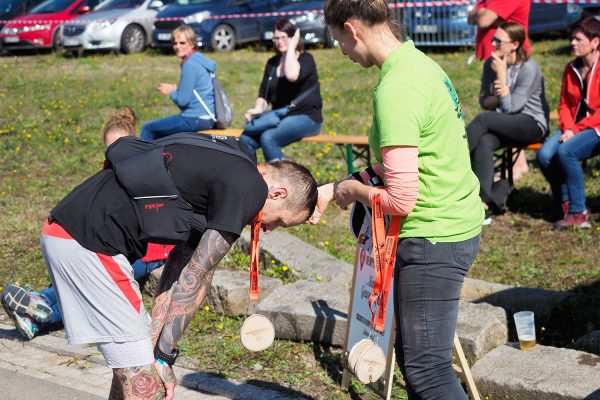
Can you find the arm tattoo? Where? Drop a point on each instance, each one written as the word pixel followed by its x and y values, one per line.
pixel 178 258
pixel 193 285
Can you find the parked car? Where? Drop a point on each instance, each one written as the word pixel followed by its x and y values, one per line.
pixel 311 24
pixel 40 28
pixel 221 34
pixel 10 9
pixel 121 25
pixel 447 25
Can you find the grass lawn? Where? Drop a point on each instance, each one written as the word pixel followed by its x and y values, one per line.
pixel 52 109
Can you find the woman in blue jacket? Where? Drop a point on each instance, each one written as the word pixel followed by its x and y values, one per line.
pixel 194 95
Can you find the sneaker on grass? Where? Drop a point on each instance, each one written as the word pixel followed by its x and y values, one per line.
pixel 24 302
pixel 578 220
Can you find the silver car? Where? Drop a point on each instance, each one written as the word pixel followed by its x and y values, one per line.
pixel 121 25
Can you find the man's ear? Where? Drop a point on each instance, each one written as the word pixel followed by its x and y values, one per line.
pixel 277 193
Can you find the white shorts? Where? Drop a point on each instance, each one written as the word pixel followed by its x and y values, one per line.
pixel 99 299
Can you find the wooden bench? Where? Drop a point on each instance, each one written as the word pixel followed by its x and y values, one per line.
pixel 507 156
pixel 354 147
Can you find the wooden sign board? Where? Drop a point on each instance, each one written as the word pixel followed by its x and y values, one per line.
pixel 358 325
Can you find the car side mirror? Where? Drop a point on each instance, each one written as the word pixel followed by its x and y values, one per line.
pixel 83 9
pixel 155 4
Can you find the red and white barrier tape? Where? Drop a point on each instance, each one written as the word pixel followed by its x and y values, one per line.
pixel 415 4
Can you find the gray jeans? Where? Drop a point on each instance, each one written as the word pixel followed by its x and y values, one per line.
pixel 427 282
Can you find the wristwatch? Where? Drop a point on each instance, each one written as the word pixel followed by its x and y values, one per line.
pixel 169 359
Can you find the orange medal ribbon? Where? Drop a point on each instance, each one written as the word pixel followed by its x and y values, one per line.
pixel 384 257
pixel 254 249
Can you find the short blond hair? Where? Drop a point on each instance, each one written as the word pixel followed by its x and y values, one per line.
pixel 188 33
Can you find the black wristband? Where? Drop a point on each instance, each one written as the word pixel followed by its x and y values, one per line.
pixel 167 358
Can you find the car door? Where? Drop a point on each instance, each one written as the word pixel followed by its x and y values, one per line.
pixel 249 29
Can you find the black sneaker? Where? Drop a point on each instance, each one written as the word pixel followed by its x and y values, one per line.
pixel 26 303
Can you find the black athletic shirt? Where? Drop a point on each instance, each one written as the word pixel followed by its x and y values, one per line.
pixel 280 92
pixel 226 189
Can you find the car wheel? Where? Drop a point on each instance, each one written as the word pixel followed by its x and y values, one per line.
pixel 56 41
pixel 223 38
pixel 133 39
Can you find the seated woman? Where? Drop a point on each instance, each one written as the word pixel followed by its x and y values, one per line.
pixel 291 85
pixel 196 113
pixel 512 90
pixel 579 126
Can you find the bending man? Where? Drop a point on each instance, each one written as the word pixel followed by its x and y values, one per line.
pixel 199 198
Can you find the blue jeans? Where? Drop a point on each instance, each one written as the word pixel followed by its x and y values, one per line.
pixel 290 129
pixel 140 270
pixel 427 281
pixel 173 124
pixel 560 163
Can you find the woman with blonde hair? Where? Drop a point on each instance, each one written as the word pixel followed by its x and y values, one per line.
pixel 194 95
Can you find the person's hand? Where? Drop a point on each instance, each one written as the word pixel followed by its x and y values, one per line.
pixel 166 88
pixel 251 113
pixel 345 193
pixel 500 88
pixel 294 40
pixel 325 197
pixel 167 376
pixel 568 134
pixel 499 66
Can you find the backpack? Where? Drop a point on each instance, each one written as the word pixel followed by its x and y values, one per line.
pixel 223 111
pixel 141 169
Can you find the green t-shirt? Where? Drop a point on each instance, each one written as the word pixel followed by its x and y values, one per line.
pixel 415 104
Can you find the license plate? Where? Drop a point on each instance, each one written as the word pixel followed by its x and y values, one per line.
pixel 268 35
pixel 164 36
pixel 426 29
pixel 11 39
pixel 71 42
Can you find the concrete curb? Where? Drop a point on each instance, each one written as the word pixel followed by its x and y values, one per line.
pixel 198 385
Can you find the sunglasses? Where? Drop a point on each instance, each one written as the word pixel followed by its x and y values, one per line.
pixel 279 38
pixel 496 40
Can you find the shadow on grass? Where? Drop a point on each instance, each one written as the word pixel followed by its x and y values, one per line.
pixel 533 203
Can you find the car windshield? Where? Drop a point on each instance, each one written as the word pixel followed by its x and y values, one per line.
pixel 194 2
pixel 6 6
pixel 113 4
pixel 51 6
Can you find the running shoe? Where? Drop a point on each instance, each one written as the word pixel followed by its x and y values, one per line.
pixel 23 303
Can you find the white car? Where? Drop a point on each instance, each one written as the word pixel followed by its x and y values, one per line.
pixel 121 25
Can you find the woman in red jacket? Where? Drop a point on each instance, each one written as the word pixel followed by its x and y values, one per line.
pixel 578 136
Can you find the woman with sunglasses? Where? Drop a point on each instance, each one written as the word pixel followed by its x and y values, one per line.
pixel 290 84
pixel 579 126
pixel 512 92
pixel 197 109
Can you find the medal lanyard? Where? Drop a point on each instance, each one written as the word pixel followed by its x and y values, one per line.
pixel 384 256
pixel 254 249
pixel 254 256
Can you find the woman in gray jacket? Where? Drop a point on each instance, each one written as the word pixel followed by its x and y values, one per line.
pixel 512 92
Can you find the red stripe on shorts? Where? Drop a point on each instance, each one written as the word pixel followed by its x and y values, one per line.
pixel 54 229
pixel 121 280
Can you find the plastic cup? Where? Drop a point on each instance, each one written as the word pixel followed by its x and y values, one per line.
pixel 525 325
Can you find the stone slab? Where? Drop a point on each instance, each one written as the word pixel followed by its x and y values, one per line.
pixel 512 298
pixel 589 342
pixel 229 292
pixel 307 310
pixel 480 328
pixel 543 373
pixel 311 263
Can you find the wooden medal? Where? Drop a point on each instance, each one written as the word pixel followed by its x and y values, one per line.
pixel 257 333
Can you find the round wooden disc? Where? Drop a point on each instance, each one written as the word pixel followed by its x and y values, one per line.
pixel 257 333
pixel 357 350
pixel 371 364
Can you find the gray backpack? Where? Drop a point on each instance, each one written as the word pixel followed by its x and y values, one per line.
pixel 223 111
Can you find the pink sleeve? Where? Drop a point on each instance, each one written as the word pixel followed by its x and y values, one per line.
pixel 401 164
